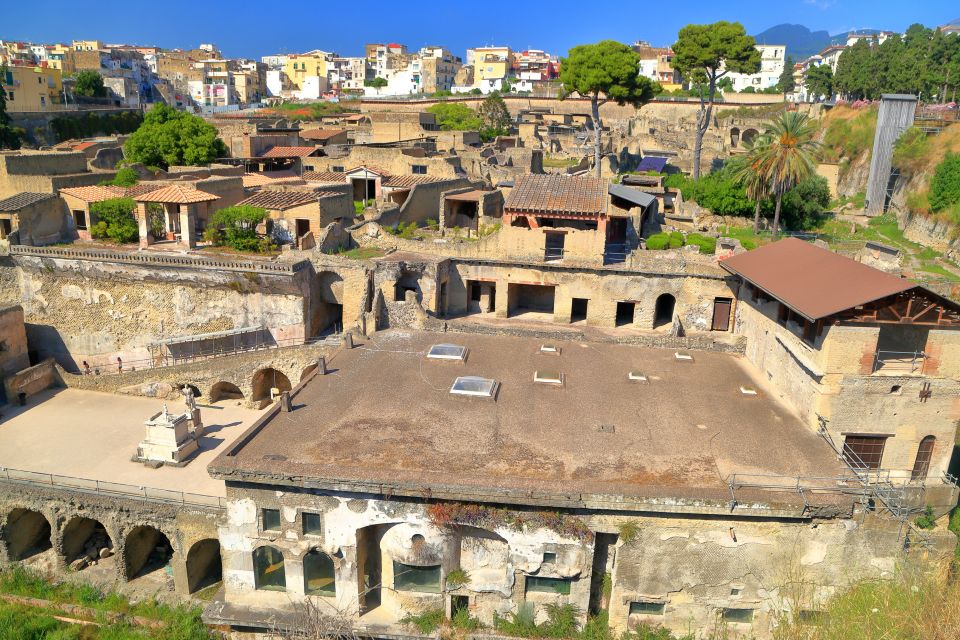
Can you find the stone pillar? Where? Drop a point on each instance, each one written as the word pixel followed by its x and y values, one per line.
pixel 321 366
pixel 348 340
pixel 181 583
pixel 188 225
pixel 144 225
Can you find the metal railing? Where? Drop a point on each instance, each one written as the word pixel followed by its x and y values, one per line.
pixel 615 254
pixel 103 487
pixel 553 253
pixel 899 362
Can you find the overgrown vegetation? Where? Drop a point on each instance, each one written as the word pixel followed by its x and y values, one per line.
pixel 426 622
pixel 910 150
pixel 675 240
pixel 457 578
pixel 927 519
pixel 945 188
pixel 360 205
pixel 454 116
pixel 362 253
pixel 170 137
pixel 27 623
pixel 236 227
pixel 10 137
pixel 849 133
pixel 126 177
pixel 309 110
pixel 115 220
pixel 452 514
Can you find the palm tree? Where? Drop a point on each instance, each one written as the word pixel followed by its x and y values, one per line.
pixel 788 157
pixel 750 174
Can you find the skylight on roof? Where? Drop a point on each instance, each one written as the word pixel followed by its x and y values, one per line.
pixel 636 376
pixel 550 349
pixel 474 386
pixel 447 352
pixel 548 377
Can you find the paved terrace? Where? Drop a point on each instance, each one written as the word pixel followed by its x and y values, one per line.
pixel 384 420
pixel 92 435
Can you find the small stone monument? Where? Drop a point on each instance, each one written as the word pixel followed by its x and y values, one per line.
pixel 170 439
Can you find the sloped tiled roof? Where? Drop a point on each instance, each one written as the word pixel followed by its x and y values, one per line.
pixel 24 199
pixel 289 152
pixel 176 194
pixel 320 134
pixel 99 193
pixel 377 170
pixel 553 193
pixel 280 200
pixel 271 177
pixel 400 182
pixel 328 177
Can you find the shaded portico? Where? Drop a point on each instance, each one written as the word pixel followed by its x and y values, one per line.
pixel 185 212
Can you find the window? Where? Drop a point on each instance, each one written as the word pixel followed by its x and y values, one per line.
pixel 271 519
pixel 737 615
pixel 864 452
pixel 338 169
pixel 80 219
pixel 268 569
pixel 312 524
pixel 538 584
pixel 647 608
pixel 319 577
pixel 407 577
pixel 549 557
pixel 419 169
pixel 921 465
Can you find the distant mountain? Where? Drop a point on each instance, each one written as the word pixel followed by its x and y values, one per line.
pixel 800 41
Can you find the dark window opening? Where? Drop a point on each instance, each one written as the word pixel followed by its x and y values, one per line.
pixel 80 219
pixel 318 574
pixel 407 577
pixel 268 570
pixel 458 604
pixel 303 227
pixel 553 246
pixel 663 310
pixel 737 615
pixel 312 524
pixel 419 169
pixel 864 452
pixel 578 309
pixel 721 314
pixel 921 466
pixel 271 519
pixel 539 584
pixel 647 608
pixel 549 557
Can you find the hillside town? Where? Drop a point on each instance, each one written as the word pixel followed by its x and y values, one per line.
pixel 630 341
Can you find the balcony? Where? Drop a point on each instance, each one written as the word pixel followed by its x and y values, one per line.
pixel 899 363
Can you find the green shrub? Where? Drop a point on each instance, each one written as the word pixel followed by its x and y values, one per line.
pixel 945 185
pixel 457 578
pixel 676 240
pixel 911 148
pixel 426 622
pixel 453 116
pixel 658 241
pixel 239 228
pixel 463 620
pixel 707 244
pixel 115 220
pixel 926 520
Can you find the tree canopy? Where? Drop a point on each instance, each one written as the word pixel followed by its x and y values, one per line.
pixel 609 68
pixel 495 115
pixel 89 84
pixel 922 62
pixel 9 136
pixel 945 184
pixel 819 81
pixel 170 137
pixel 115 220
pixel 787 84
pixel 703 54
pixel 237 227
pixel 453 116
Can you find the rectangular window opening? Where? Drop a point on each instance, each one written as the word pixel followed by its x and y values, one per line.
pixel 549 557
pixel 407 577
pixel 737 615
pixel 271 519
pixel 312 524
pixel 538 584
pixel 647 608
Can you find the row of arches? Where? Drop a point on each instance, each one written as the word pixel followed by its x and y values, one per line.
pixel 145 548
pixel 263 381
pixel 319 572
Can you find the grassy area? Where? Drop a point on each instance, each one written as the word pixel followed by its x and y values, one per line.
pixel 362 253
pixel 555 162
pixel 179 623
pixel 308 110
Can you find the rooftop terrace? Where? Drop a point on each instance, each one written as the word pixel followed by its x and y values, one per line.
pixel 384 419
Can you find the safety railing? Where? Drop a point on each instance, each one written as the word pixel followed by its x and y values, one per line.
pixel 899 362
pixel 103 487
pixel 553 253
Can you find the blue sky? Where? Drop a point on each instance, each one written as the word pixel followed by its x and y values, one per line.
pixel 253 29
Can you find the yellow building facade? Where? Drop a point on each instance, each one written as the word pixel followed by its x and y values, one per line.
pixel 302 66
pixel 32 88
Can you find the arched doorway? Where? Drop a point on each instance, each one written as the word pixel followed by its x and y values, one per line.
pixel 146 549
pixel 921 466
pixel 307 371
pixel 85 537
pixel 663 310
pixel 749 136
pixel 204 567
pixel 319 575
pixel 327 314
pixel 734 137
pixel 225 391
pixel 267 379
pixel 27 533
pixel 268 569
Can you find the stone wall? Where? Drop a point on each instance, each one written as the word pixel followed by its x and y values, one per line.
pixel 13 340
pixel 32 380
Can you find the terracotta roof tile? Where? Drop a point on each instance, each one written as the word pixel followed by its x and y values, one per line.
pixel 328 177
pixel 377 170
pixel 260 179
pixel 94 193
pixel 289 152
pixel 280 200
pixel 320 134
pixel 558 194
pixel 814 282
pixel 399 182
pixel 176 194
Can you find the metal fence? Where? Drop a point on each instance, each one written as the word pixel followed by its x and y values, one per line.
pixel 899 362
pixel 103 487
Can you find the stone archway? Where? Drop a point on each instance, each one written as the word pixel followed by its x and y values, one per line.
pixel 224 390
pixel 204 565
pixel 663 310
pixel 266 379
pixel 27 533
pixel 307 371
pixel 85 540
pixel 327 306
pixel 749 136
pixel 735 137
pixel 146 549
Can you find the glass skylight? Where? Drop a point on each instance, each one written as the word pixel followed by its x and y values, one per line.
pixel 447 352
pixel 474 386
pixel 548 377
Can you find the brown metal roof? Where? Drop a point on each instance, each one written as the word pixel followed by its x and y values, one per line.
pixel 320 134
pixel 400 182
pixel 280 200
pixel 327 177
pixel 289 152
pixel 814 282
pixel 558 194
pixel 473 195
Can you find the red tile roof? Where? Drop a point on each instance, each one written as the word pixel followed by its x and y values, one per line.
pixel 400 182
pixel 176 194
pixel 280 200
pixel 327 177
pixel 320 134
pixel 558 194
pixel 814 282
pixel 289 152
